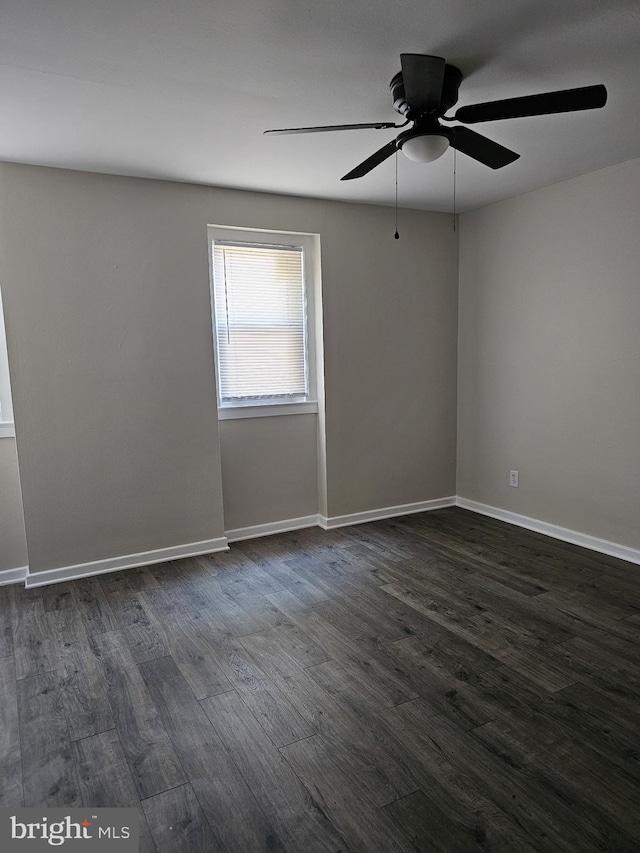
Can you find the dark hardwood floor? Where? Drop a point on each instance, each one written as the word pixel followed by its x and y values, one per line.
pixel 438 682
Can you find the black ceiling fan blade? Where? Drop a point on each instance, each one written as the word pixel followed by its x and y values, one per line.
pixel 378 125
pixel 564 101
pixel 480 148
pixel 422 77
pixel 371 162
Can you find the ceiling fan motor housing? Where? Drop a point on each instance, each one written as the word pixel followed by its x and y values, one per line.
pixel 450 86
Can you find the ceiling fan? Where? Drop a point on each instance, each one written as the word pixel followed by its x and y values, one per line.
pixel 423 92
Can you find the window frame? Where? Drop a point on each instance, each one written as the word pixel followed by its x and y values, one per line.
pixel 309 245
pixel 7 429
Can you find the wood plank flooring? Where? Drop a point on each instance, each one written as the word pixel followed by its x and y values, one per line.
pixel 438 682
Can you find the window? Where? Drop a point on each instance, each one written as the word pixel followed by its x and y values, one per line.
pixel 263 320
pixel 6 410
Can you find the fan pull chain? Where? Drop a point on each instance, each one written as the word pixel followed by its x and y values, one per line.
pixel 454 189
pixel 396 235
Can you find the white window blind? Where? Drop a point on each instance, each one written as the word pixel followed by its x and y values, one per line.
pixel 260 318
pixel 6 410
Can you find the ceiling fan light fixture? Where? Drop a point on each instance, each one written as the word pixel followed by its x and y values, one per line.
pixel 424 148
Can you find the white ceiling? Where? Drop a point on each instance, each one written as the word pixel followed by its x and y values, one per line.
pixel 182 89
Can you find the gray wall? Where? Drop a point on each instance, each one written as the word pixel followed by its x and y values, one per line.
pixel 105 284
pixel 13 546
pixel 390 318
pixel 390 327
pixel 269 469
pixel 550 354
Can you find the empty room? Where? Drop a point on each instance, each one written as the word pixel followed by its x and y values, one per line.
pixel 320 426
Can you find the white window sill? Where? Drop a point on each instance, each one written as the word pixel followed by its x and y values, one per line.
pixel 7 430
pixel 271 410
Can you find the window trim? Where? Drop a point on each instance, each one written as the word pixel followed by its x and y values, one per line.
pixel 7 429
pixel 230 413
pixel 310 247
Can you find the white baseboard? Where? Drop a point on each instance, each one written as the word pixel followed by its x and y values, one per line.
pixel 268 529
pixel 127 561
pixel 603 546
pixel 13 575
pixel 385 512
pixel 193 549
pixel 325 523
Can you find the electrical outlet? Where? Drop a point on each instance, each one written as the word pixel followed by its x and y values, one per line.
pixel 513 479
